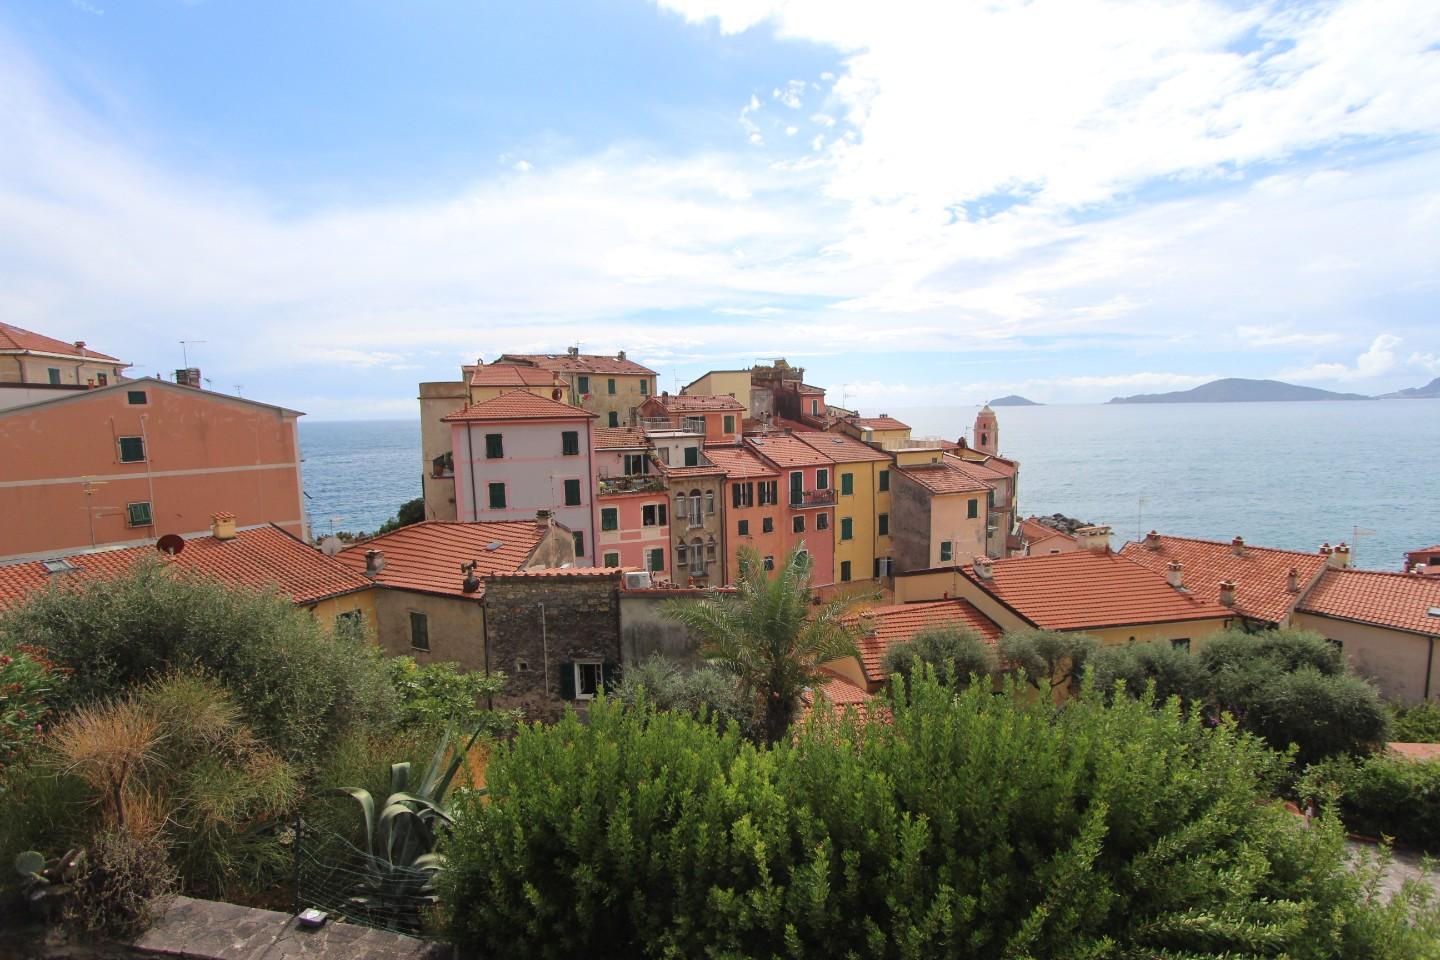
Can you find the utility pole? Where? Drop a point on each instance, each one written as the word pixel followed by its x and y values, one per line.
pixel 1356 533
pixel 185 352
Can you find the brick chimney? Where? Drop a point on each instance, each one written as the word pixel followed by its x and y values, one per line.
pixel 1227 593
pixel 374 563
pixel 1175 575
pixel 1237 546
pixel 983 569
pixel 1293 584
pixel 222 526
pixel 1152 539
pixel 543 519
pixel 1094 538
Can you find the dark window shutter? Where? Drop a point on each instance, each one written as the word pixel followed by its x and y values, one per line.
pixel 610 676
pixel 663 519
pixel 567 681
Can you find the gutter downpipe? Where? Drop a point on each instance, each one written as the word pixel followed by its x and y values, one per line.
pixel 470 456
pixel 1429 667
pixel 544 648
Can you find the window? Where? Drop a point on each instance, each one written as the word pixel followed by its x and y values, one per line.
pixel 798 524
pixel 767 525
pixel 132 450
pixel 972 510
pixel 884 480
pixel 769 493
pixel 844 571
pixel 743 528
pixel 709 503
pixel 644 387
pixel 710 550
pixel 494 446
pixel 692 456
pixel 680 505
pixel 1181 644
pixel 814 407
pixel 419 631
pixel 743 494
pixel 847 528
pixel 102 379
pixel 350 619
pixel 54 375
pixel 636 464
pixel 570 443
pixel 822 479
pixel 588 679
pixel 884 524
pixel 497 495
pixel 729 423
pixel 822 521
pixel 695 519
pixel 847 484
pixel 769 563
pixel 681 553
pixel 657 555
pixel 579 543
pixel 136 398
pixel 612 559
pixel 138 514
pixel 653 515
pixel 582 384
pixel 572 493
pixel 614 419
pixel 697 557
pixel 610 518
pixel 946 551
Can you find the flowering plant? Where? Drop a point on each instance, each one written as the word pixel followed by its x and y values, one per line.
pixel 26 681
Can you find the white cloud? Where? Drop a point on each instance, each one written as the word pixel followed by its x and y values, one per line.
pixel 1281 336
pixel 1378 360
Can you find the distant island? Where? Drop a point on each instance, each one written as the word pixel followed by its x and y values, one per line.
pixel 1431 391
pixel 1237 390
pixel 1014 400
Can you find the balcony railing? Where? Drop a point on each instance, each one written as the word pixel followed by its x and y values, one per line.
pixel 692 425
pixel 801 499
pixel 631 485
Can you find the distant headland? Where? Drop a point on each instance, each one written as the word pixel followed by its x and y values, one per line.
pixel 1431 391
pixel 1014 400
pixel 1238 390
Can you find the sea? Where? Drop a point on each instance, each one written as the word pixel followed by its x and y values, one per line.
pixel 1290 475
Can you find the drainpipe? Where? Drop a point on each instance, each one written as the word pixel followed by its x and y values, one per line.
pixel 724 550
pixel 1429 666
pixel 485 638
pixel 544 649
pixel 470 456
pixel 149 477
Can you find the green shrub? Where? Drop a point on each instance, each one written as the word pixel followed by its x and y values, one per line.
pixel 1050 659
pixel 123 884
pixel 954 653
pixel 440 695
pixel 1175 673
pixel 666 685
pixel 1382 795
pixel 28 681
pixel 1416 723
pixel 973 825
pixel 297 685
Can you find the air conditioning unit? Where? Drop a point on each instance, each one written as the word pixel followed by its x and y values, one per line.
pixel 638 580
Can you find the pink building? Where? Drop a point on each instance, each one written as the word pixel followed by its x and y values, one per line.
pixel 635 527
pixel 807 489
pixel 721 418
pixel 126 464
pixel 518 453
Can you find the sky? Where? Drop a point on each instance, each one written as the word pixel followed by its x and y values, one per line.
pixel 921 203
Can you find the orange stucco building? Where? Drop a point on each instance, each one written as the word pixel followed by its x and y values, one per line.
pixel 128 463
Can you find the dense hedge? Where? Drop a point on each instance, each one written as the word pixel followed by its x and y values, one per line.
pixel 1383 795
pixel 972 826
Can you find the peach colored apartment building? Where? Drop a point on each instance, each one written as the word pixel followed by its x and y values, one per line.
pixel 125 464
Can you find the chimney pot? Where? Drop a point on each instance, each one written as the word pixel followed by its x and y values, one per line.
pixel 79 344
pixel 1294 581
pixel 1227 593
pixel 374 563
pixel 1238 546
pixel 1152 539
pixel 543 518
pixel 620 355
pixel 222 526
pixel 1340 559
pixel 1175 575
pixel 983 570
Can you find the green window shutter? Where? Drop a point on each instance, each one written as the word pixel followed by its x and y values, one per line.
pixel 644 387
pixel 847 528
pixel 844 571
pixel 572 493
pixel 610 676
pixel 610 519
pixel 579 543
pixel 884 524
pixel 614 420
pixel 692 456
pixel 570 443
pixel 847 484
pixel 945 551
pixel 884 480
pixel 567 681
pixel 419 631
pixel 136 397
pixel 132 449
pixel 973 510
pixel 497 496
pixel 494 446
pixel 610 386
pixel 735 495
pixel 584 385
pixel 729 423
pixel 657 559
pixel 744 528
pixel 139 514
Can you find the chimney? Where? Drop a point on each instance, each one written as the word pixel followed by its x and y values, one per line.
pixel 573 351
pixel 620 355
pixel 983 569
pixel 1094 538
pixel 80 346
pixel 1340 559
pixel 222 526
pixel 1293 584
pixel 471 583
pixel 1227 593
pixel 1237 546
pixel 543 518
pixel 374 563
pixel 1152 539
pixel 1175 575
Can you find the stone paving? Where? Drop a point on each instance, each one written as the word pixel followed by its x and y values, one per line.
pixel 1403 866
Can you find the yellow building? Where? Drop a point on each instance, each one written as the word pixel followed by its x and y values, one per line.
pixel 863 542
pixel 940 510
pixel 722 383
pixel 613 388
pixel 28 358
pixel 884 429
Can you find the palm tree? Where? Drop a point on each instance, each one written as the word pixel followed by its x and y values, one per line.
pixel 769 636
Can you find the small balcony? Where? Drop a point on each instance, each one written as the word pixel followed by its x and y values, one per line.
pixel 637 484
pixel 694 426
pixel 803 499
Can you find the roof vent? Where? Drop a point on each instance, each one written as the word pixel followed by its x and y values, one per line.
pixel 1293 584
pixel 493 545
pixel 471 583
pixel 1227 593
pixel 374 563
pixel 58 565
pixel 1175 575
pixel 983 570
pixel 1152 539
pixel 1238 546
pixel 1433 612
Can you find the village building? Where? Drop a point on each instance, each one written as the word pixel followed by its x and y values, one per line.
pixel 719 418
pixel 429 581
pixel 807 486
pixel 124 464
pixel 863 541
pixel 519 453
pixel 881 430
pixel 634 503
pixel 612 388
pixel 754 515
pixel 35 367
pixel 1039 539
pixel 697 522
pixel 939 510
pixel 1426 561
pixel 722 383
pixel 885 627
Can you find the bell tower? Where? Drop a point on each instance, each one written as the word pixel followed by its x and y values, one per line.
pixel 987 432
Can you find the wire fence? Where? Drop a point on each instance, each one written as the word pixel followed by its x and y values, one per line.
pixel 347 882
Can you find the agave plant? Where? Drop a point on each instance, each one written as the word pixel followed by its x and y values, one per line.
pixel 401 864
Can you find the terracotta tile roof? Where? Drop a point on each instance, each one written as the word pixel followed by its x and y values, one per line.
pixel 984 470
pixel 518 405
pixel 1419 752
pixel 582 363
pixel 808 389
pixel 1090 589
pixel 1402 601
pixel 840 448
pixel 562 573
pixel 945 477
pixel 785 451
pixel 426 557
pixel 794 426
pixel 879 423
pixel 1262 575
pixel 258 558
pixel 700 404
pixel 899 624
pixel 619 438
pixel 1034 531
pixel 512 375
pixel 739 463
pixel 840 691
pixel 710 470
pixel 13 338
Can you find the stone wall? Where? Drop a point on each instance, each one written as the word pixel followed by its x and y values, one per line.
pixel 909 523
pixel 644 632
pixel 538 625
pixel 456 627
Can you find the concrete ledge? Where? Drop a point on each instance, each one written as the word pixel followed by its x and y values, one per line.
pixel 210 930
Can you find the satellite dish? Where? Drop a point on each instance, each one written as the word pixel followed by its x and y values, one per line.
pixel 557 393
pixel 331 546
pixel 170 544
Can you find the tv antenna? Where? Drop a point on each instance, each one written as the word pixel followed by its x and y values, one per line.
pixel 1356 533
pixel 238 388
pixel 185 352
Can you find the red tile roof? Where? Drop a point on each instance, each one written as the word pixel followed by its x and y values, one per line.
pixel 739 463
pixel 518 405
pixel 711 470
pixel 840 691
pixel 619 438
pixel 512 375
pixel 1262 575
pixel 1090 589
pixel 899 624
pixel 945 477
pixel 808 389
pixel 258 558
pixel 1402 601
pixel 426 557
pixel 785 451
pixel 581 363
pixel 1034 531
pixel 13 338
pixel 879 423
pixel 985 470
pixel 840 448
pixel 562 573
pixel 1418 752
pixel 700 404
